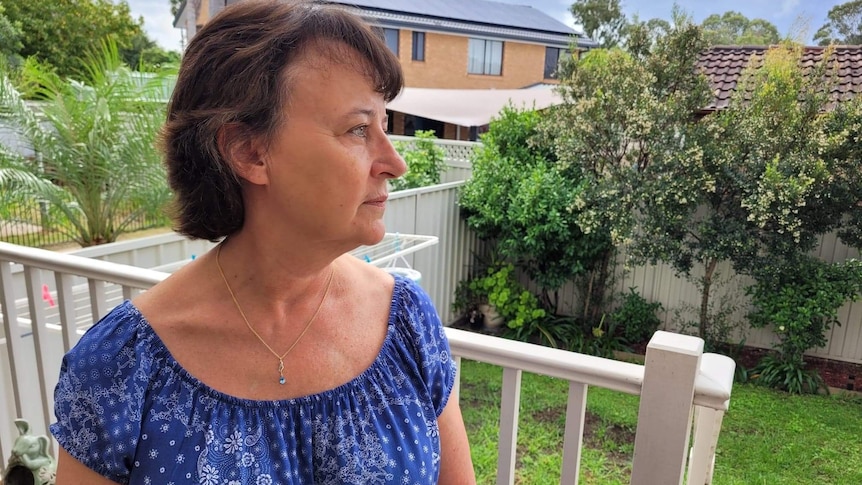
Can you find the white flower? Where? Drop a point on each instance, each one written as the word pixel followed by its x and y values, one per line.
pixel 264 480
pixel 209 476
pixel 233 443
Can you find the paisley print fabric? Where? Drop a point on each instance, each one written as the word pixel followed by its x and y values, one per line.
pixel 126 409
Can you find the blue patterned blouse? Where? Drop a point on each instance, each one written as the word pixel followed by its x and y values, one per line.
pixel 126 409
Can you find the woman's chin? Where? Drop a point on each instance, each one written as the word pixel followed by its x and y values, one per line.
pixel 373 235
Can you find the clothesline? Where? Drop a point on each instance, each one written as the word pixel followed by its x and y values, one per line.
pixel 392 249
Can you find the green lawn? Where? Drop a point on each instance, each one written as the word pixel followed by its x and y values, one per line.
pixel 767 437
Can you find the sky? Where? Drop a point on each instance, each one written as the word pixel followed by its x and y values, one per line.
pixel 798 18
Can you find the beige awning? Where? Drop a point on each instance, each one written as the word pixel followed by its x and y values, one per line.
pixel 470 107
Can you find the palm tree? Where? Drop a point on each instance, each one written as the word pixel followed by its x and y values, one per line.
pixel 96 168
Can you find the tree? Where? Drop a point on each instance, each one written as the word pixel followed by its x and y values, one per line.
pixel 144 52
pixel 844 25
pixel 761 186
pixel 96 167
pixel 602 20
pixel 733 28
pixel 59 31
pixel 10 40
pixel 641 36
pixel 623 123
pixel 175 7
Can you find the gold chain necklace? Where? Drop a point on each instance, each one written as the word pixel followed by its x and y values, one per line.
pixel 281 357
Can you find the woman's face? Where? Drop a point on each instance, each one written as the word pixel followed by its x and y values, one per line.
pixel 329 163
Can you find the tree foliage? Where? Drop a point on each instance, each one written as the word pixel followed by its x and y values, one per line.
pixel 10 40
pixel 95 166
pixel 602 20
pixel 733 28
pixel 519 198
pixel 175 7
pixel 799 299
pixel 764 189
pixel 58 32
pixel 425 162
pixel 623 126
pixel 843 25
pixel 605 22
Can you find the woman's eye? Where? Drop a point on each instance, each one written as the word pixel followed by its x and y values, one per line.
pixel 360 131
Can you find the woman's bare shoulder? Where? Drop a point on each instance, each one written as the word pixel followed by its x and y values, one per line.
pixel 364 277
pixel 187 291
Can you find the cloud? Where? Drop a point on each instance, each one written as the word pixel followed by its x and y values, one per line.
pixel 158 22
pixel 788 7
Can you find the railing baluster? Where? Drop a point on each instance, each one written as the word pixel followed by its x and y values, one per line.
pixel 38 319
pixel 33 280
pixel 719 370
pixel 456 389
pixel 14 346
pixel 510 403
pixel 576 410
pixel 707 425
pixel 68 314
pixel 98 300
pixel 13 352
pixel 129 292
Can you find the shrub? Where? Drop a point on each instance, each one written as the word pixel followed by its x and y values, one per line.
pixel 520 199
pixel 513 302
pixel 636 317
pixel 800 300
pixel 425 162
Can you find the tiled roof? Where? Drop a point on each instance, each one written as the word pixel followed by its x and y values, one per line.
pixel 474 11
pixel 723 66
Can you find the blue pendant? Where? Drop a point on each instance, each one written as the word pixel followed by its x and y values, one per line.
pixel 281 371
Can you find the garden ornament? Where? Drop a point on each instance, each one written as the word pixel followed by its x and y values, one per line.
pixel 30 463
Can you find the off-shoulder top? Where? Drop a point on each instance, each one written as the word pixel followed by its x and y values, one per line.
pixel 127 410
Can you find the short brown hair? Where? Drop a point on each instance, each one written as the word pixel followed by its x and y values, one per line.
pixel 235 71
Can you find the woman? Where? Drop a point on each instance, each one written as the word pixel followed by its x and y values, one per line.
pixel 276 358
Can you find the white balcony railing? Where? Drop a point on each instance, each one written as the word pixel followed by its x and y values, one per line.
pixel 678 384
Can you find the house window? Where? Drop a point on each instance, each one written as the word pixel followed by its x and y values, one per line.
pixel 391 38
pixel 418 46
pixel 553 58
pixel 485 57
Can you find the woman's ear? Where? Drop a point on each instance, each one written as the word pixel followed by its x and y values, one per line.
pixel 244 153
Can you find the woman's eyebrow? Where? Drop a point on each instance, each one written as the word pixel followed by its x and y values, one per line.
pixel 362 111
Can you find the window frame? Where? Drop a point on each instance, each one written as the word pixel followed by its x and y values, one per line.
pixel 386 32
pixel 490 49
pixel 418 53
pixel 560 53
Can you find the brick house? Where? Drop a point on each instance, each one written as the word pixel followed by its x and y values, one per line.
pixel 450 45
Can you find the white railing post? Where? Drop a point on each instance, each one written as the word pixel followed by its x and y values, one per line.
pixel 664 417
